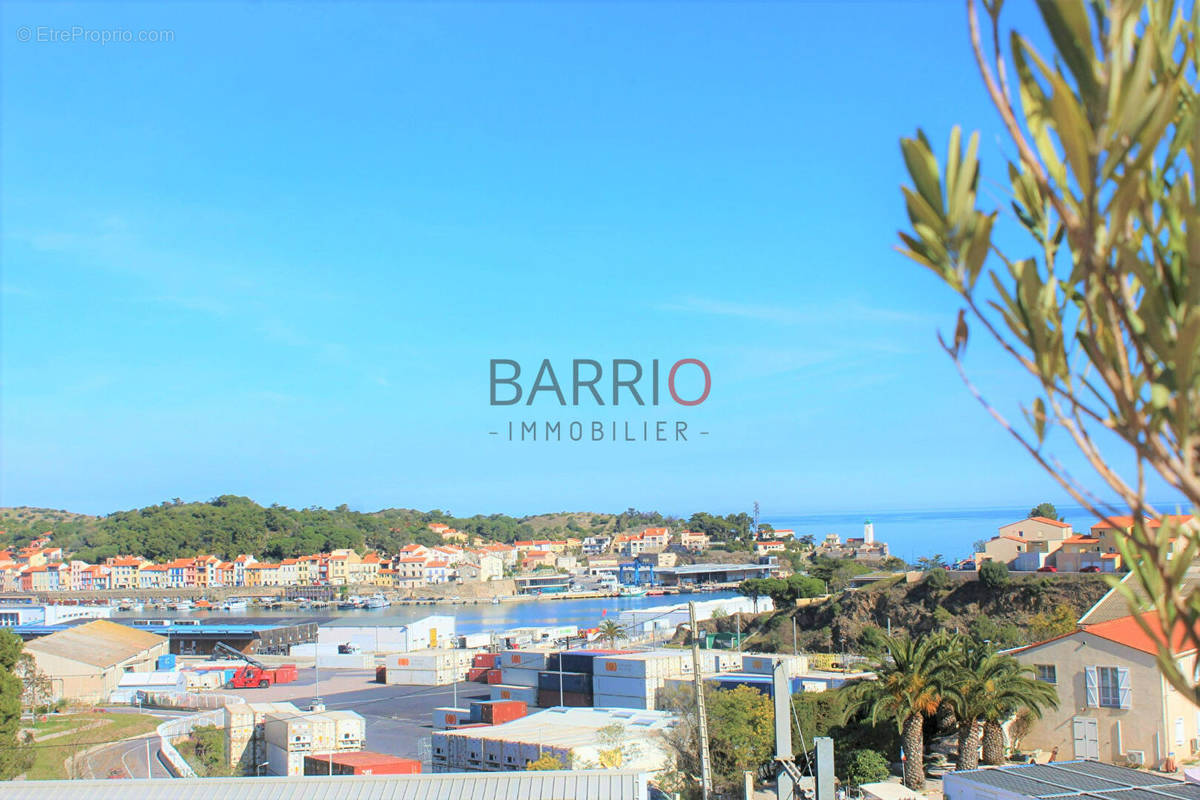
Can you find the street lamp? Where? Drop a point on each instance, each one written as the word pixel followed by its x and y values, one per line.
pixel 258 768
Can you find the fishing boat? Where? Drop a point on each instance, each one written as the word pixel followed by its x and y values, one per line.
pixel 181 605
pixel 378 601
pixel 353 601
pixel 633 591
pixel 495 601
pixel 234 604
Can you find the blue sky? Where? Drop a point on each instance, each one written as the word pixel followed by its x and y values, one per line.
pixel 273 256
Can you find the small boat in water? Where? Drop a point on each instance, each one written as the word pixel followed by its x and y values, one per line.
pixel 633 591
pixel 181 605
pixel 378 601
pixel 234 604
pixel 353 601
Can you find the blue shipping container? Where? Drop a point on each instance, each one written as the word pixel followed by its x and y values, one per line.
pixel 578 682
pixel 165 662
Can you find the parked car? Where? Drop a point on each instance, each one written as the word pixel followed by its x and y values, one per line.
pixel 1090 568
pixel 1047 568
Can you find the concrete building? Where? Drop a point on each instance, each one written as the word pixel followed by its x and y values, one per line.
pixel 13 614
pixel 1098 671
pixel 85 663
pixel 572 735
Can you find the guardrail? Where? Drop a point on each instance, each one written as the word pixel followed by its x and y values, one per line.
pixel 174 728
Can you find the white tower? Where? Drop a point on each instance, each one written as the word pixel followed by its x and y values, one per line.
pixel 869 533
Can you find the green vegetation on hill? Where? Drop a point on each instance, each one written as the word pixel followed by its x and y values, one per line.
pixel 229 525
pixel 1024 608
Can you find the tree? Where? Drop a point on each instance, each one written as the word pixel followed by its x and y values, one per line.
pixel 977 673
pixel 35 684
pixel 545 762
pixel 15 755
pixel 740 725
pixel 1046 510
pixel 1044 626
pixel 867 766
pixel 611 632
pixel 1100 304
pixel 926 563
pixel 907 688
pixel 993 574
pixel 980 546
pixel 936 579
pixel 1012 690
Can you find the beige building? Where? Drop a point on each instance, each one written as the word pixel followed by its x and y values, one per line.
pixel 1027 544
pixel 1114 704
pixel 85 662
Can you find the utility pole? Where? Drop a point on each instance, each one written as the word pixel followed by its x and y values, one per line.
pixel 698 682
pixel 789 775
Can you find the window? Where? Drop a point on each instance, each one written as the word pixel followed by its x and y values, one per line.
pixel 1047 673
pixel 1108 681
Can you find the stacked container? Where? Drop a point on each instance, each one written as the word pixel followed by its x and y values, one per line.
pixel 526 694
pixel 449 717
pixel 635 680
pixel 350 730
pixel 428 667
pixel 764 664
pixel 521 667
pixel 496 712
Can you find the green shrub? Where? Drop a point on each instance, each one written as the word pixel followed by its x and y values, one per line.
pixel 993 574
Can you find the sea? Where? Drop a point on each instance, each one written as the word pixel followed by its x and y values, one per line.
pixel 469 617
pixel 914 534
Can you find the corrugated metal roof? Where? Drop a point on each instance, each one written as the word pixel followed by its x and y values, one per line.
pixel 559 785
pixel 100 643
pixel 1080 779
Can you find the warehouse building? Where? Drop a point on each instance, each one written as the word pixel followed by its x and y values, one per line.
pixel 631 740
pixel 1065 780
pixel 554 785
pixel 430 632
pixel 85 663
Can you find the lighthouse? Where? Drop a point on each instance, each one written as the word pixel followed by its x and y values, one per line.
pixel 868 532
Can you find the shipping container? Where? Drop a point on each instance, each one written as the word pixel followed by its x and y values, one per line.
pixel 519 676
pixel 350 729
pixel 477 674
pixel 764 663
pixel 567 681
pixel 621 701
pixel 165 661
pixel 526 694
pixel 381 674
pixel 640 665
pixel 361 763
pixel 583 660
pixel 283 762
pixel 549 698
pixel 305 733
pixel 527 659
pixel 494 676
pixel 446 716
pixel 496 712
pixel 473 640
pixel 488 660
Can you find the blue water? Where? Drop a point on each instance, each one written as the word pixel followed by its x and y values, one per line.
pixel 913 534
pixel 482 618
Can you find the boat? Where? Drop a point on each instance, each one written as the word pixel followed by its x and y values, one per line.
pixel 378 601
pixel 495 601
pixel 633 591
pixel 234 604
pixel 181 605
pixel 352 602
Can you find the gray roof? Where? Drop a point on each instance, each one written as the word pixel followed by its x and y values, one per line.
pixel 1067 779
pixel 691 568
pixel 556 785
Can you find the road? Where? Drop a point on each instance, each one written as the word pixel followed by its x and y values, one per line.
pixel 127 759
pixel 396 716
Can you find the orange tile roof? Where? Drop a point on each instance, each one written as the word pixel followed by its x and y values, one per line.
pixel 1049 521
pixel 1124 522
pixel 1080 539
pixel 1127 631
pixel 436 564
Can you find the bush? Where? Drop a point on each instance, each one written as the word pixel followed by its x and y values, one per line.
pixel 936 579
pixel 993 574
pixel 866 766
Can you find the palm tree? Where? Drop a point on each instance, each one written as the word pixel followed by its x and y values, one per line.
pixel 908 687
pixel 611 632
pixel 1015 688
pixel 979 673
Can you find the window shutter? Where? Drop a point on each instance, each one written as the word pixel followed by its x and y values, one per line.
pixel 1123 687
pixel 1089 684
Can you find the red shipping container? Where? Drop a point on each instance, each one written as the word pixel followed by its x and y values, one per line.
pixel 477 674
pixel 488 660
pixel 361 763
pixel 381 674
pixel 501 711
pixel 493 676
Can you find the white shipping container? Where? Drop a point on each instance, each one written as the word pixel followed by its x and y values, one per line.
pixel 534 660
pixel 526 694
pixel 620 701
pixel 517 676
pixel 764 663
pixel 420 677
pixel 308 733
pixel 477 640
pixel 448 716
pixel 641 665
pixel 346 661
pixel 493 753
pixel 510 753
pixel 282 762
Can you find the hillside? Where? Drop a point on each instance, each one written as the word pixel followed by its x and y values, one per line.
pixel 1028 608
pixel 229 525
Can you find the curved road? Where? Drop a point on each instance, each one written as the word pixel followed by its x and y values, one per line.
pixel 127 759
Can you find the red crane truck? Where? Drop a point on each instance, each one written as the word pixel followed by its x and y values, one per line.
pixel 254 674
